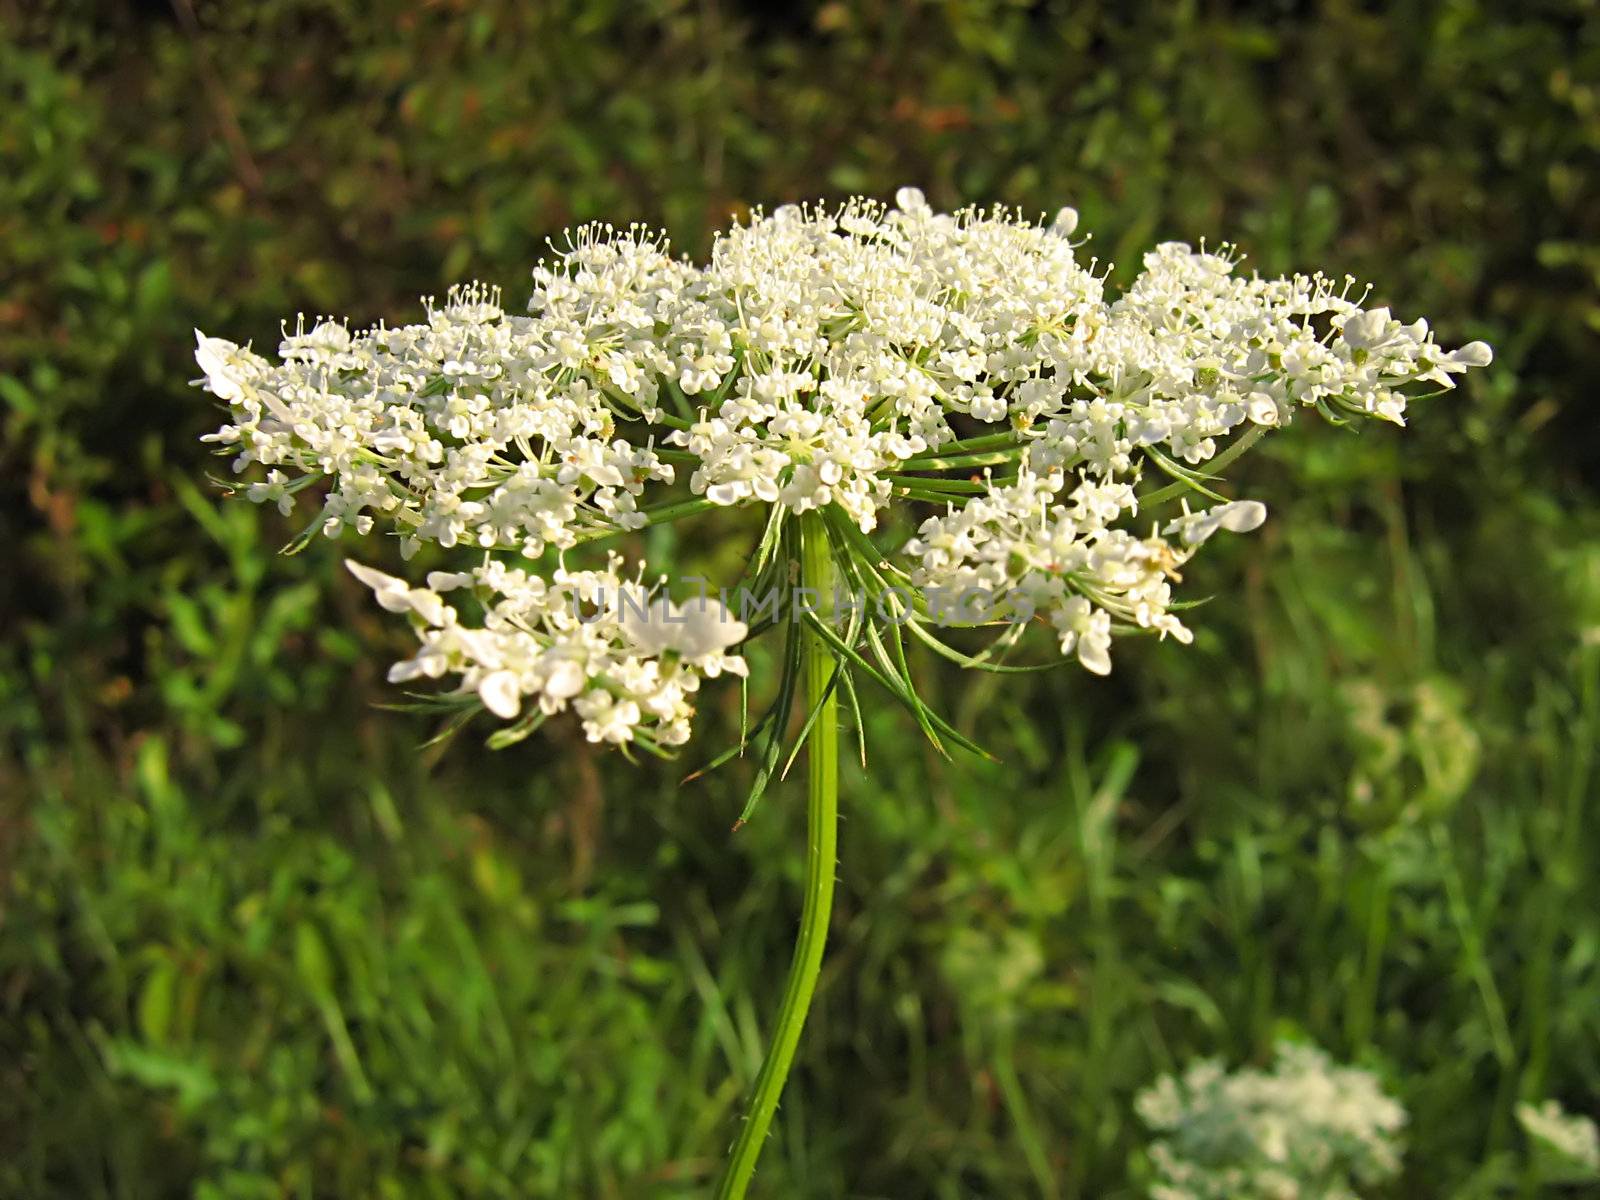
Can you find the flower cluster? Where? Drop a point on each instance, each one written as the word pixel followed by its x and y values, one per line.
pixel 848 360
pixel 625 661
pixel 1305 1130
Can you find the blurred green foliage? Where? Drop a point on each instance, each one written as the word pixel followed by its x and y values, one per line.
pixel 253 943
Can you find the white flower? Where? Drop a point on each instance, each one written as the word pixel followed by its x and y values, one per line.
pixel 1306 1128
pixel 228 369
pixel 607 719
pixel 693 630
pixel 1367 330
pixel 274 490
pixel 1238 516
pixel 397 596
pixel 1088 630
pixel 1570 1136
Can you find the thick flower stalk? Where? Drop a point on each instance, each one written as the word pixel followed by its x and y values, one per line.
pixel 952 402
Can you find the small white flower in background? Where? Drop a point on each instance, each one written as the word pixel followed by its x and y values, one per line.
pixel 816 362
pixel 1567 1143
pixel 1305 1130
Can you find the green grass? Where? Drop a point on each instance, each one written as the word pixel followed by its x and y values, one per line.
pixel 253 942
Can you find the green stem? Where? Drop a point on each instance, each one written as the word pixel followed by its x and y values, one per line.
pixel 1212 468
pixel 965 487
pixel 653 516
pixel 822 828
pixel 963 462
pixel 1016 1101
pixel 990 441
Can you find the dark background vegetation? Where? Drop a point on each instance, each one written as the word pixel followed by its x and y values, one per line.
pixel 254 944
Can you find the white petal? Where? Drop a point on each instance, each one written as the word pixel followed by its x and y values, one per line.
pixel 644 625
pixel 565 680
pixel 1242 515
pixel 1263 409
pixel 1474 354
pixel 426 605
pixel 1095 655
pixel 372 577
pixel 215 358
pixel 1364 329
pixel 392 594
pixel 1066 221
pixel 709 631
pixel 501 694
pixel 910 200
